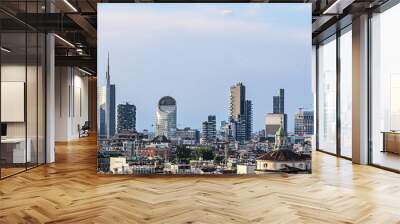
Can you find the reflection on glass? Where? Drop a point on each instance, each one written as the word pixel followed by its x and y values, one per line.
pixel 22 91
pixel 327 96
pixel 394 101
pixel 346 94
pixel 13 84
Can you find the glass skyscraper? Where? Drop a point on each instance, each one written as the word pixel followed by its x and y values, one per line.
pixel 166 117
pixel 106 106
pixel 240 114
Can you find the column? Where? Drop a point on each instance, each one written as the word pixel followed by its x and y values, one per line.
pixel 360 90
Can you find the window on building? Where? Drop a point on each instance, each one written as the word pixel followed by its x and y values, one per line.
pixel 327 95
pixel 346 92
pixel 385 88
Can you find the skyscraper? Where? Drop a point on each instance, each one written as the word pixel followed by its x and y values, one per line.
pixel 273 122
pixel 112 108
pixel 249 118
pixel 278 118
pixel 241 113
pixel 106 98
pixel 304 123
pixel 239 129
pixel 101 100
pixel 275 109
pixel 237 100
pixel 126 117
pixel 166 117
pixel 279 102
pixel 209 129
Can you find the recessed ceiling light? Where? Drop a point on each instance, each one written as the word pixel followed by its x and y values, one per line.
pixel 5 50
pixel 64 40
pixel 84 71
pixel 337 7
pixel 70 5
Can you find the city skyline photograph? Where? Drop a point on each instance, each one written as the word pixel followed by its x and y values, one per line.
pixel 206 89
pixel 223 44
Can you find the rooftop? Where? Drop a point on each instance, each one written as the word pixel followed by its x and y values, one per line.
pixel 283 155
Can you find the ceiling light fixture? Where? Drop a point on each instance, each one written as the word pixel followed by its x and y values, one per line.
pixel 70 5
pixel 5 50
pixel 64 40
pixel 84 71
pixel 337 7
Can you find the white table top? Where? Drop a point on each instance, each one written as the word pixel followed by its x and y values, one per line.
pixel 13 140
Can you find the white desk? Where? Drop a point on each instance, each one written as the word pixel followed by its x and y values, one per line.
pixel 18 149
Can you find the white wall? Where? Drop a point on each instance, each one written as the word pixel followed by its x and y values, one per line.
pixel 12 73
pixel 71 103
pixel 33 126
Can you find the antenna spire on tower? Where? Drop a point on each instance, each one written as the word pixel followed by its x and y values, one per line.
pixel 108 67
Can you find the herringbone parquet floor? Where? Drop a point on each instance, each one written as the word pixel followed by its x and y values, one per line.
pixel 69 191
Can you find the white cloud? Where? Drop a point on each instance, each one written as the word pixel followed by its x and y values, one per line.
pixel 226 12
pixel 144 25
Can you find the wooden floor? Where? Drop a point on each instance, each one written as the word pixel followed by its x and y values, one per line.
pixel 69 191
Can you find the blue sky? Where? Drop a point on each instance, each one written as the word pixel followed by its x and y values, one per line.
pixel 195 52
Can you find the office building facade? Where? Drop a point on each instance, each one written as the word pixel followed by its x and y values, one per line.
pixel 273 122
pixel 249 119
pixel 277 118
pixel 237 101
pixel 240 113
pixel 126 118
pixel 209 130
pixel 166 117
pixel 304 123
pixel 279 102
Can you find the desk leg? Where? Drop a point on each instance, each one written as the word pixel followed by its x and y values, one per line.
pixel 384 142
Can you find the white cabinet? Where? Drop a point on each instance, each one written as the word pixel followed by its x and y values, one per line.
pixel 19 155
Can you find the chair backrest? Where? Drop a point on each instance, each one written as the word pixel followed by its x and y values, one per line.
pixel 86 125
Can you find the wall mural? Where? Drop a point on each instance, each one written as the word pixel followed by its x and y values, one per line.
pixel 209 89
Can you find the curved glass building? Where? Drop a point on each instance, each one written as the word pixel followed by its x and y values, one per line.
pixel 166 117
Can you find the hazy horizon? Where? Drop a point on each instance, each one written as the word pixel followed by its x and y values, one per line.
pixel 195 52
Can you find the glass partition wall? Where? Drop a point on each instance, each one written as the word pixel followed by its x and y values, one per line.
pixel 22 88
pixel 334 71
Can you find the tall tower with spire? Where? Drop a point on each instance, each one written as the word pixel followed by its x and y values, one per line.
pixel 108 69
pixel 109 104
